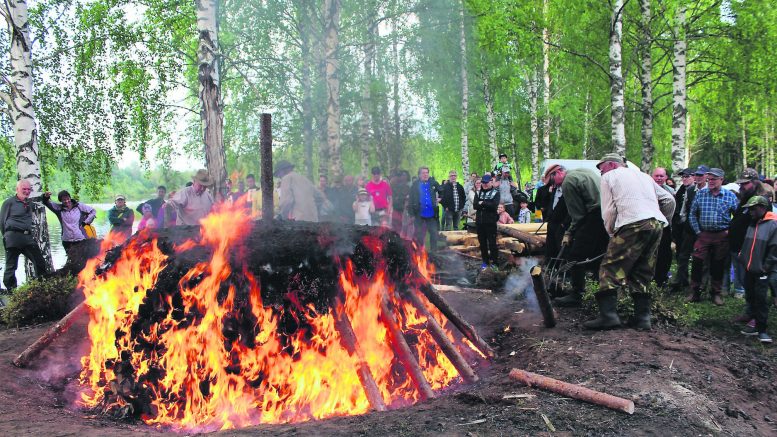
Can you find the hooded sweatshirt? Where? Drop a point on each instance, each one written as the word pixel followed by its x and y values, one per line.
pixel 759 250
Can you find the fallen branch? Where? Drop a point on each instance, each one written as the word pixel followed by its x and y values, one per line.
pixel 573 391
pixel 543 299
pixel 23 360
pixel 525 237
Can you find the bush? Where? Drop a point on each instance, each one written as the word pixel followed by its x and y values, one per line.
pixel 38 301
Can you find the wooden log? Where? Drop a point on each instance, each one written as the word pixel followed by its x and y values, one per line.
pixel 524 237
pixel 351 344
pixel 462 325
pixel 543 299
pixel 402 349
pixel 442 339
pixel 573 391
pixel 23 360
pixel 457 289
pixel 532 228
pixel 267 171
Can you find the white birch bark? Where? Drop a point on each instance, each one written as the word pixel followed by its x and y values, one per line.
pixel 679 92
pixel 366 102
pixel 211 106
pixel 587 124
pixel 305 23
pixel 618 106
pixel 332 29
pixel 533 127
pixel 22 112
pixel 490 120
pixel 546 83
pixel 395 157
pixel 646 82
pixel 464 95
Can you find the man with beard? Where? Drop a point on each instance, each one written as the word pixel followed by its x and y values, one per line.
pixel 585 237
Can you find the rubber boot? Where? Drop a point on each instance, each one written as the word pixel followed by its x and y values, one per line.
pixel 641 318
pixel 694 296
pixel 573 299
pixel 608 312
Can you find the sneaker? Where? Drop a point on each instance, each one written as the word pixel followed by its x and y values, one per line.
pixel 764 338
pixel 751 323
pixel 494 267
pixel 739 294
pixel 483 266
pixel 749 330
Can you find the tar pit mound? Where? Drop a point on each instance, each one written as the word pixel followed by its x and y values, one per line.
pixel 239 322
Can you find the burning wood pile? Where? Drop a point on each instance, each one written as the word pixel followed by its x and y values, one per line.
pixel 237 322
pixel 512 239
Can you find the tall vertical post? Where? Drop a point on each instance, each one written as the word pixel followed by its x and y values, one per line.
pixel 266 156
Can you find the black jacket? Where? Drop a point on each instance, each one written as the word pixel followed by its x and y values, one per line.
pixel 446 196
pixel 414 197
pixel 486 202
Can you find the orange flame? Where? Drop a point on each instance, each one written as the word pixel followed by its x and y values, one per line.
pixel 200 372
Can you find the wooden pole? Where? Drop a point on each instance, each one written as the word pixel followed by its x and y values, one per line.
pixel 402 349
pixel 543 299
pixel 266 156
pixel 573 391
pixel 351 344
pixel 525 237
pixel 462 325
pixel 465 370
pixel 23 360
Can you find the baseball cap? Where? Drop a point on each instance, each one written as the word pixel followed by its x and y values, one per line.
pixel 120 197
pixel 717 172
pixel 701 170
pixel 486 178
pixel 757 200
pixel 503 154
pixel 610 157
pixel 748 175
pixel 686 172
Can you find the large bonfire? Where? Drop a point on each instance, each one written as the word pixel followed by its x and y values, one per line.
pixel 239 322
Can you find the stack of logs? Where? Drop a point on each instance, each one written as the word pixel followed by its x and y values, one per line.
pixel 512 239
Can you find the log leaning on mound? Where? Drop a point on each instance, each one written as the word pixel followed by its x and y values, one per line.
pixel 525 237
pixel 573 391
pixel 543 299
pixel 23 360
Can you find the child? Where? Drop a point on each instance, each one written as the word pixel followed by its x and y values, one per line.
pixel 504 217
pixel 502 163
pixel 148 220
pixel 524 215
pixel 363 208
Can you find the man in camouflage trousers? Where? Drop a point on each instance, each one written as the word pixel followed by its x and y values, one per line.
pixel 635 210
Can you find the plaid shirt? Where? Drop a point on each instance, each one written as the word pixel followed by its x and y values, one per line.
pixel 712 213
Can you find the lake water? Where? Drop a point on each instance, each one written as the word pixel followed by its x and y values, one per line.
pixel 101 225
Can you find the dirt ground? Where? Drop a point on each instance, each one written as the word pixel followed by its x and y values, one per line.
pixel 683 382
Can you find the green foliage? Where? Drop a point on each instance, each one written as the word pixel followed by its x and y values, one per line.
pixel 38 301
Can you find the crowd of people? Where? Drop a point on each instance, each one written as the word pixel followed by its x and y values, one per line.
pixel 621 225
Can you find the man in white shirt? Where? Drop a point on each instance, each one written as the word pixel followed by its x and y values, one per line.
pixel 635 211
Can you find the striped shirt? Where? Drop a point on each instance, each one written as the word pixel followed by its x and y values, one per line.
pixel 712 213
pixel 629 196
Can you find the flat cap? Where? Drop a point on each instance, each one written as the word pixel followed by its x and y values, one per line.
pixel 610 157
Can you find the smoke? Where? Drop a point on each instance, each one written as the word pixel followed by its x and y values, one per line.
pixel 518 286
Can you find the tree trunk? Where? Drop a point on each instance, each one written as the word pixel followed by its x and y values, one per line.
pixel 321 91
pixel 744 140
pixel 490 120
pixel 616 81
pixel 546 82
pixel 366 103
pixel 587 124
pixel 464 94
pixel 211 111
pixel 535 139
pixel 19 101
pixel 646 81
pixel 679 110
pixel 305 21
pixel 332 28
pixel 395 157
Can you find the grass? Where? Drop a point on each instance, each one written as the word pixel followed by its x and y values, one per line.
pixel 38 301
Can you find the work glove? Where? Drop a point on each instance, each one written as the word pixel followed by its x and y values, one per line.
pixel 567 240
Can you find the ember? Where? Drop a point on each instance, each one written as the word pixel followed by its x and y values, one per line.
pixel 239 322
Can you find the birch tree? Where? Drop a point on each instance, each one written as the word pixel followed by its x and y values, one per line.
pixel 546 82
pixel 366 99
pixel 211 106
pixel 464 94
pixel 19 108
pixel 490 119
pixel 679 91
pixel 646 82
pixel 305 30
pixel 616 80
pixel 533 127
pixel 331 43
